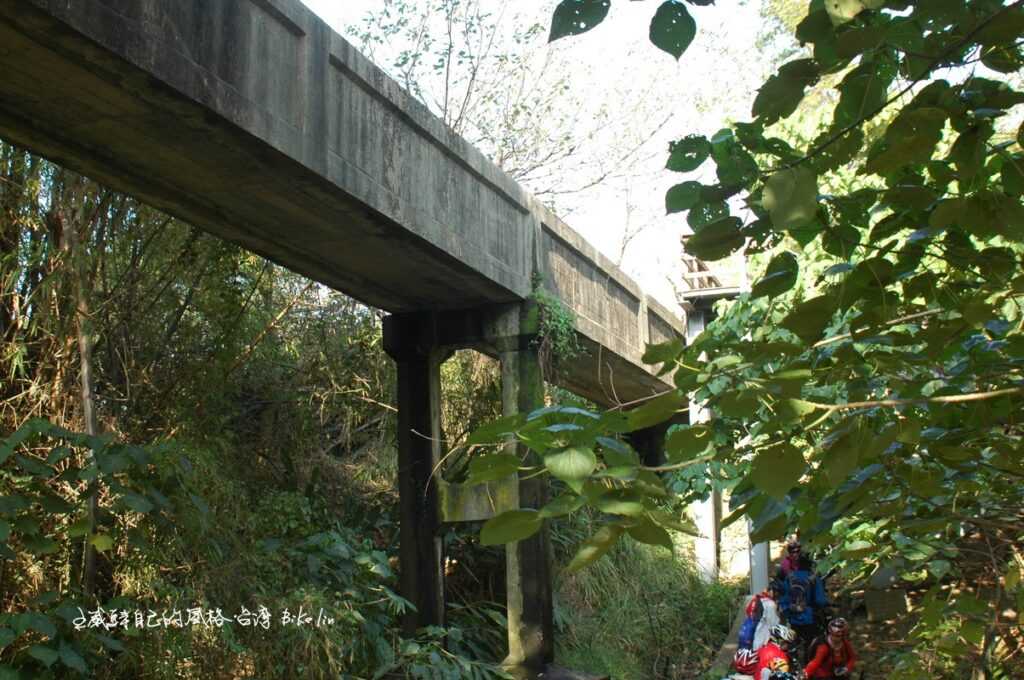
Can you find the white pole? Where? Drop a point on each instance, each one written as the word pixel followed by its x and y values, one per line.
pixel 760 566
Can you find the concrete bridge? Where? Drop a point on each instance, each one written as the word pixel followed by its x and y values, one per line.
pixel 255 121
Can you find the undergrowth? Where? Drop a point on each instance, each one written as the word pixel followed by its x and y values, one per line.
pixel 639 612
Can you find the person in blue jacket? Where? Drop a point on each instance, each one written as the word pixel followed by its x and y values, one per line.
pixel 802 596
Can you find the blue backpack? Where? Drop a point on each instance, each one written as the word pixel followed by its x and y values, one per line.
pixel 746 636
pixel 799 592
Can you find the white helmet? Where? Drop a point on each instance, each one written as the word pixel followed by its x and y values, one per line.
pixel 782 633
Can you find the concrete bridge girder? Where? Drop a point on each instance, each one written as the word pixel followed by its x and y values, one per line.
pixel 253 120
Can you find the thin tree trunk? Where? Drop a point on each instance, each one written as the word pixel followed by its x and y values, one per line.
pixel 69 244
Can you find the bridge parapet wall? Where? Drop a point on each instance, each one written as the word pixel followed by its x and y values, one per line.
pixel 255 121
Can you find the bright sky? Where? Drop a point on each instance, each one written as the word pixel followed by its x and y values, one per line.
pixel 614 66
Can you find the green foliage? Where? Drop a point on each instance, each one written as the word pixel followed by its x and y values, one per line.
pixel 275 482
pixel 867 393
pixel 556 337
pixel 47 474
pixel 638 612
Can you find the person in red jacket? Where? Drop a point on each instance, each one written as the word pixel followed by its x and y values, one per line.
pixel 834 656
pixel 774 655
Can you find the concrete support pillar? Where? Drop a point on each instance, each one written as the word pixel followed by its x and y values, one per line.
pixel 528 562
pixel 760 566
pixel 707 515
pixel 707 518
pixel 408 340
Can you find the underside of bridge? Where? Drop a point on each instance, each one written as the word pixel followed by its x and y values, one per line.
pixel 251 119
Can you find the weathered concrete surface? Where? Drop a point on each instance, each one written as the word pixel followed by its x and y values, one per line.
pixel 253 120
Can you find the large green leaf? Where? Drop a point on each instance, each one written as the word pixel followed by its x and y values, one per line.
pixel 680 523
pixel 781 94
pixel 511 526
pixel 777 469
pixel 706 212
pixel 793 409
pixel 497 430
pixel 655 411
pixel 672 28
pixel 40 545
pixel 650 533
pixel 12 504
pixel 1012 175
pixel 688 153
pixel 911 138
pixel 594 547
pixel 571 464
pixel 970 150
pixel 791 197
pixel 687 442
pixel 840 459
pixel 573 17
pixel 770 530
pixel 46 655
pixel 682 197
pixel 33 466
pixel 102 542
pixel 137 502
pixel 779 277
pixel 72 659
pixel 809 319
pixel 492 467
pixel 40 623
pixel 563 505
pixel 717 240
pixel 842 11
pixel 864 90
pixel 621 502
pixel 663 353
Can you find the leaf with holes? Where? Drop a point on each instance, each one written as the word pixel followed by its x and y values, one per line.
pixel 672 28
pixel 682 197
pixel 688 153
pixel 573 17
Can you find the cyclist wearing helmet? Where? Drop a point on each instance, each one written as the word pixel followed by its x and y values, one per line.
pixel 834 656
pixel 745 661
pixel 773 657
pixel 789 562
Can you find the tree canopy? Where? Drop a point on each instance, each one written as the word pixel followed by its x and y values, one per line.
pixel 866 392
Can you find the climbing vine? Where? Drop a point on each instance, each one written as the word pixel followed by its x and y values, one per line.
pixel 557 341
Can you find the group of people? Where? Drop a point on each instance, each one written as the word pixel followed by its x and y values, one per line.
pixel 786 634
